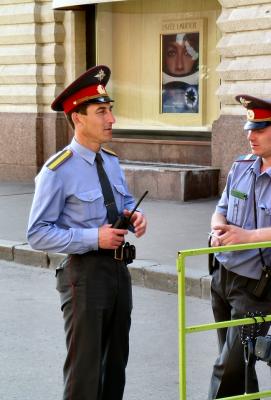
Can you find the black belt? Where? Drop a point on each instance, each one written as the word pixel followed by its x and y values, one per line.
pixel 107 252
pixel 126 253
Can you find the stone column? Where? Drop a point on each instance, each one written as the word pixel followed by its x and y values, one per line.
pixel 31 74
pixel 245 49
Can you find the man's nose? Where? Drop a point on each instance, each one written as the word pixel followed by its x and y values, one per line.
pixel 250 134
pixel 111 118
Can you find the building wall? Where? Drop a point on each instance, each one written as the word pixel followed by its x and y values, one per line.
pixel 41 50
pixel 31 59
pixel 245 50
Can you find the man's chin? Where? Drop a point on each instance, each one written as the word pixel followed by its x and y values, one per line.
pixel 108 134
pixel 256 152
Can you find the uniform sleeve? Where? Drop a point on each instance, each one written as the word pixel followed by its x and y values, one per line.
pixel 222 205
pixel 43 232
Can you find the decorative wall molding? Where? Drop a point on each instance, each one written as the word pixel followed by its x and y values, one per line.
pixel 32 54
pixel 245 49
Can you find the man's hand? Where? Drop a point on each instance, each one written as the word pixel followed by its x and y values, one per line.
pixel 138 221
pixel 215 237
pixel 110 238
pixel 230 234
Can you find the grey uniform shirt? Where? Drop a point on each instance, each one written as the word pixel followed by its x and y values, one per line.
pixel 237 205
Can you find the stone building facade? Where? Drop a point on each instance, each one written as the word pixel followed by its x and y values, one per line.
pixel 32 69
pixel 245 67
pixel 43 47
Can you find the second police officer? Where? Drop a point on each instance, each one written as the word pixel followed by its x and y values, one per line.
pixel 241 281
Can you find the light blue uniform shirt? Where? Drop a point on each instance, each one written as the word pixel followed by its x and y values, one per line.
pixel 240 212
pixel 68 205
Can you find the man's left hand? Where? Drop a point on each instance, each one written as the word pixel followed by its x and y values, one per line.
pixel 231 234
pixel 138 221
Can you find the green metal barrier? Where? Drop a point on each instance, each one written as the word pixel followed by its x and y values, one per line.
pixel 183 330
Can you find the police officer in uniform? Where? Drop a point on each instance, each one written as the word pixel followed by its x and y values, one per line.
pixel 79 194
pixel 239 283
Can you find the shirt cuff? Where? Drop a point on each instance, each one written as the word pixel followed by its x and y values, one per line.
pixel 221 210
pixel 89 239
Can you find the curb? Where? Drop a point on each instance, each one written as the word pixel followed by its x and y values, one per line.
pixel 144 273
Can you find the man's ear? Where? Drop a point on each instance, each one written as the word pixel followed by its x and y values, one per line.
pixel 76 118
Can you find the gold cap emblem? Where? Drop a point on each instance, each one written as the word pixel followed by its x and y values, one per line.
pixel 250 115
pixel 101 89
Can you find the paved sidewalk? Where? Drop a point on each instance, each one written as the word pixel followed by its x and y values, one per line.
pixel 172 226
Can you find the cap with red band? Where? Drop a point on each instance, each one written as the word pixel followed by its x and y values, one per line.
pixel 258 111
pixel 88 88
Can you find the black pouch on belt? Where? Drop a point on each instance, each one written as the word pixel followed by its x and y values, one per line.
pixel 129 252
pixel 126 252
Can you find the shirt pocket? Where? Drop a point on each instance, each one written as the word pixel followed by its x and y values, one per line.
pixel 236 211
pixel 264 215
pixel 86 206
pixel 119 194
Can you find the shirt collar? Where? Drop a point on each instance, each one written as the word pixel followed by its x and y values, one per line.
pixel 256 167
pixel 83 151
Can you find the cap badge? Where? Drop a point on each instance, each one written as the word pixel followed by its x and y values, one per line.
pixel 100 76
pixel 101 89
pixel 244 102
pixel 250 115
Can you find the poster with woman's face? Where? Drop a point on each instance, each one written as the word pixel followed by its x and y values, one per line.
pixel 180 73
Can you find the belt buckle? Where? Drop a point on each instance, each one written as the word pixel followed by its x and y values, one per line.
pixel 119 253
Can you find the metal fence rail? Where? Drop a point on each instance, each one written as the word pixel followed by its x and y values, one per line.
pixel 183 330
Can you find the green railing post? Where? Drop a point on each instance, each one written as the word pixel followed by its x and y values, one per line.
pixel 182 325
pixel 183 330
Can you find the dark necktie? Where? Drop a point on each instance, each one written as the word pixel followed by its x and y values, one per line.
pixel 109 199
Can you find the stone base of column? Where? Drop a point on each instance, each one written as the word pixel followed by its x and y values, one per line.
pixel 27 140
pixel 229 140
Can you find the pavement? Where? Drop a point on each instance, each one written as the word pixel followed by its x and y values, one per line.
pixel 31 328
pixel 32 345
pixel 172 227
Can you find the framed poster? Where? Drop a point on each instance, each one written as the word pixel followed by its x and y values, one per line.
pixel 181 59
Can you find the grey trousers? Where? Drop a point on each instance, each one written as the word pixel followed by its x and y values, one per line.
pixel 232 298
pixel 96 300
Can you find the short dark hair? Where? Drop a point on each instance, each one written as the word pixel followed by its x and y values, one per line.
pixel 81 109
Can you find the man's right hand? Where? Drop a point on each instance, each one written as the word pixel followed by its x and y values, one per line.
pixel 215 240
pixel 110 238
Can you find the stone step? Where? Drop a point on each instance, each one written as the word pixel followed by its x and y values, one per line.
pixel 196 152
pixel 181 182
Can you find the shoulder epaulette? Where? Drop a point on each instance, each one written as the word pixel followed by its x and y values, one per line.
pixel 109 151
pixel 246 157
pixel 59 159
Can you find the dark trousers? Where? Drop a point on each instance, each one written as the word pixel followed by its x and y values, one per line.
pixel 232 298
pixel 96 300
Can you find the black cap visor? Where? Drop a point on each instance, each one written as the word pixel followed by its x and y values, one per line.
pixel 103 99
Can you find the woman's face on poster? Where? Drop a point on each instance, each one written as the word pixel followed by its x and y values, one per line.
pixel 177 60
